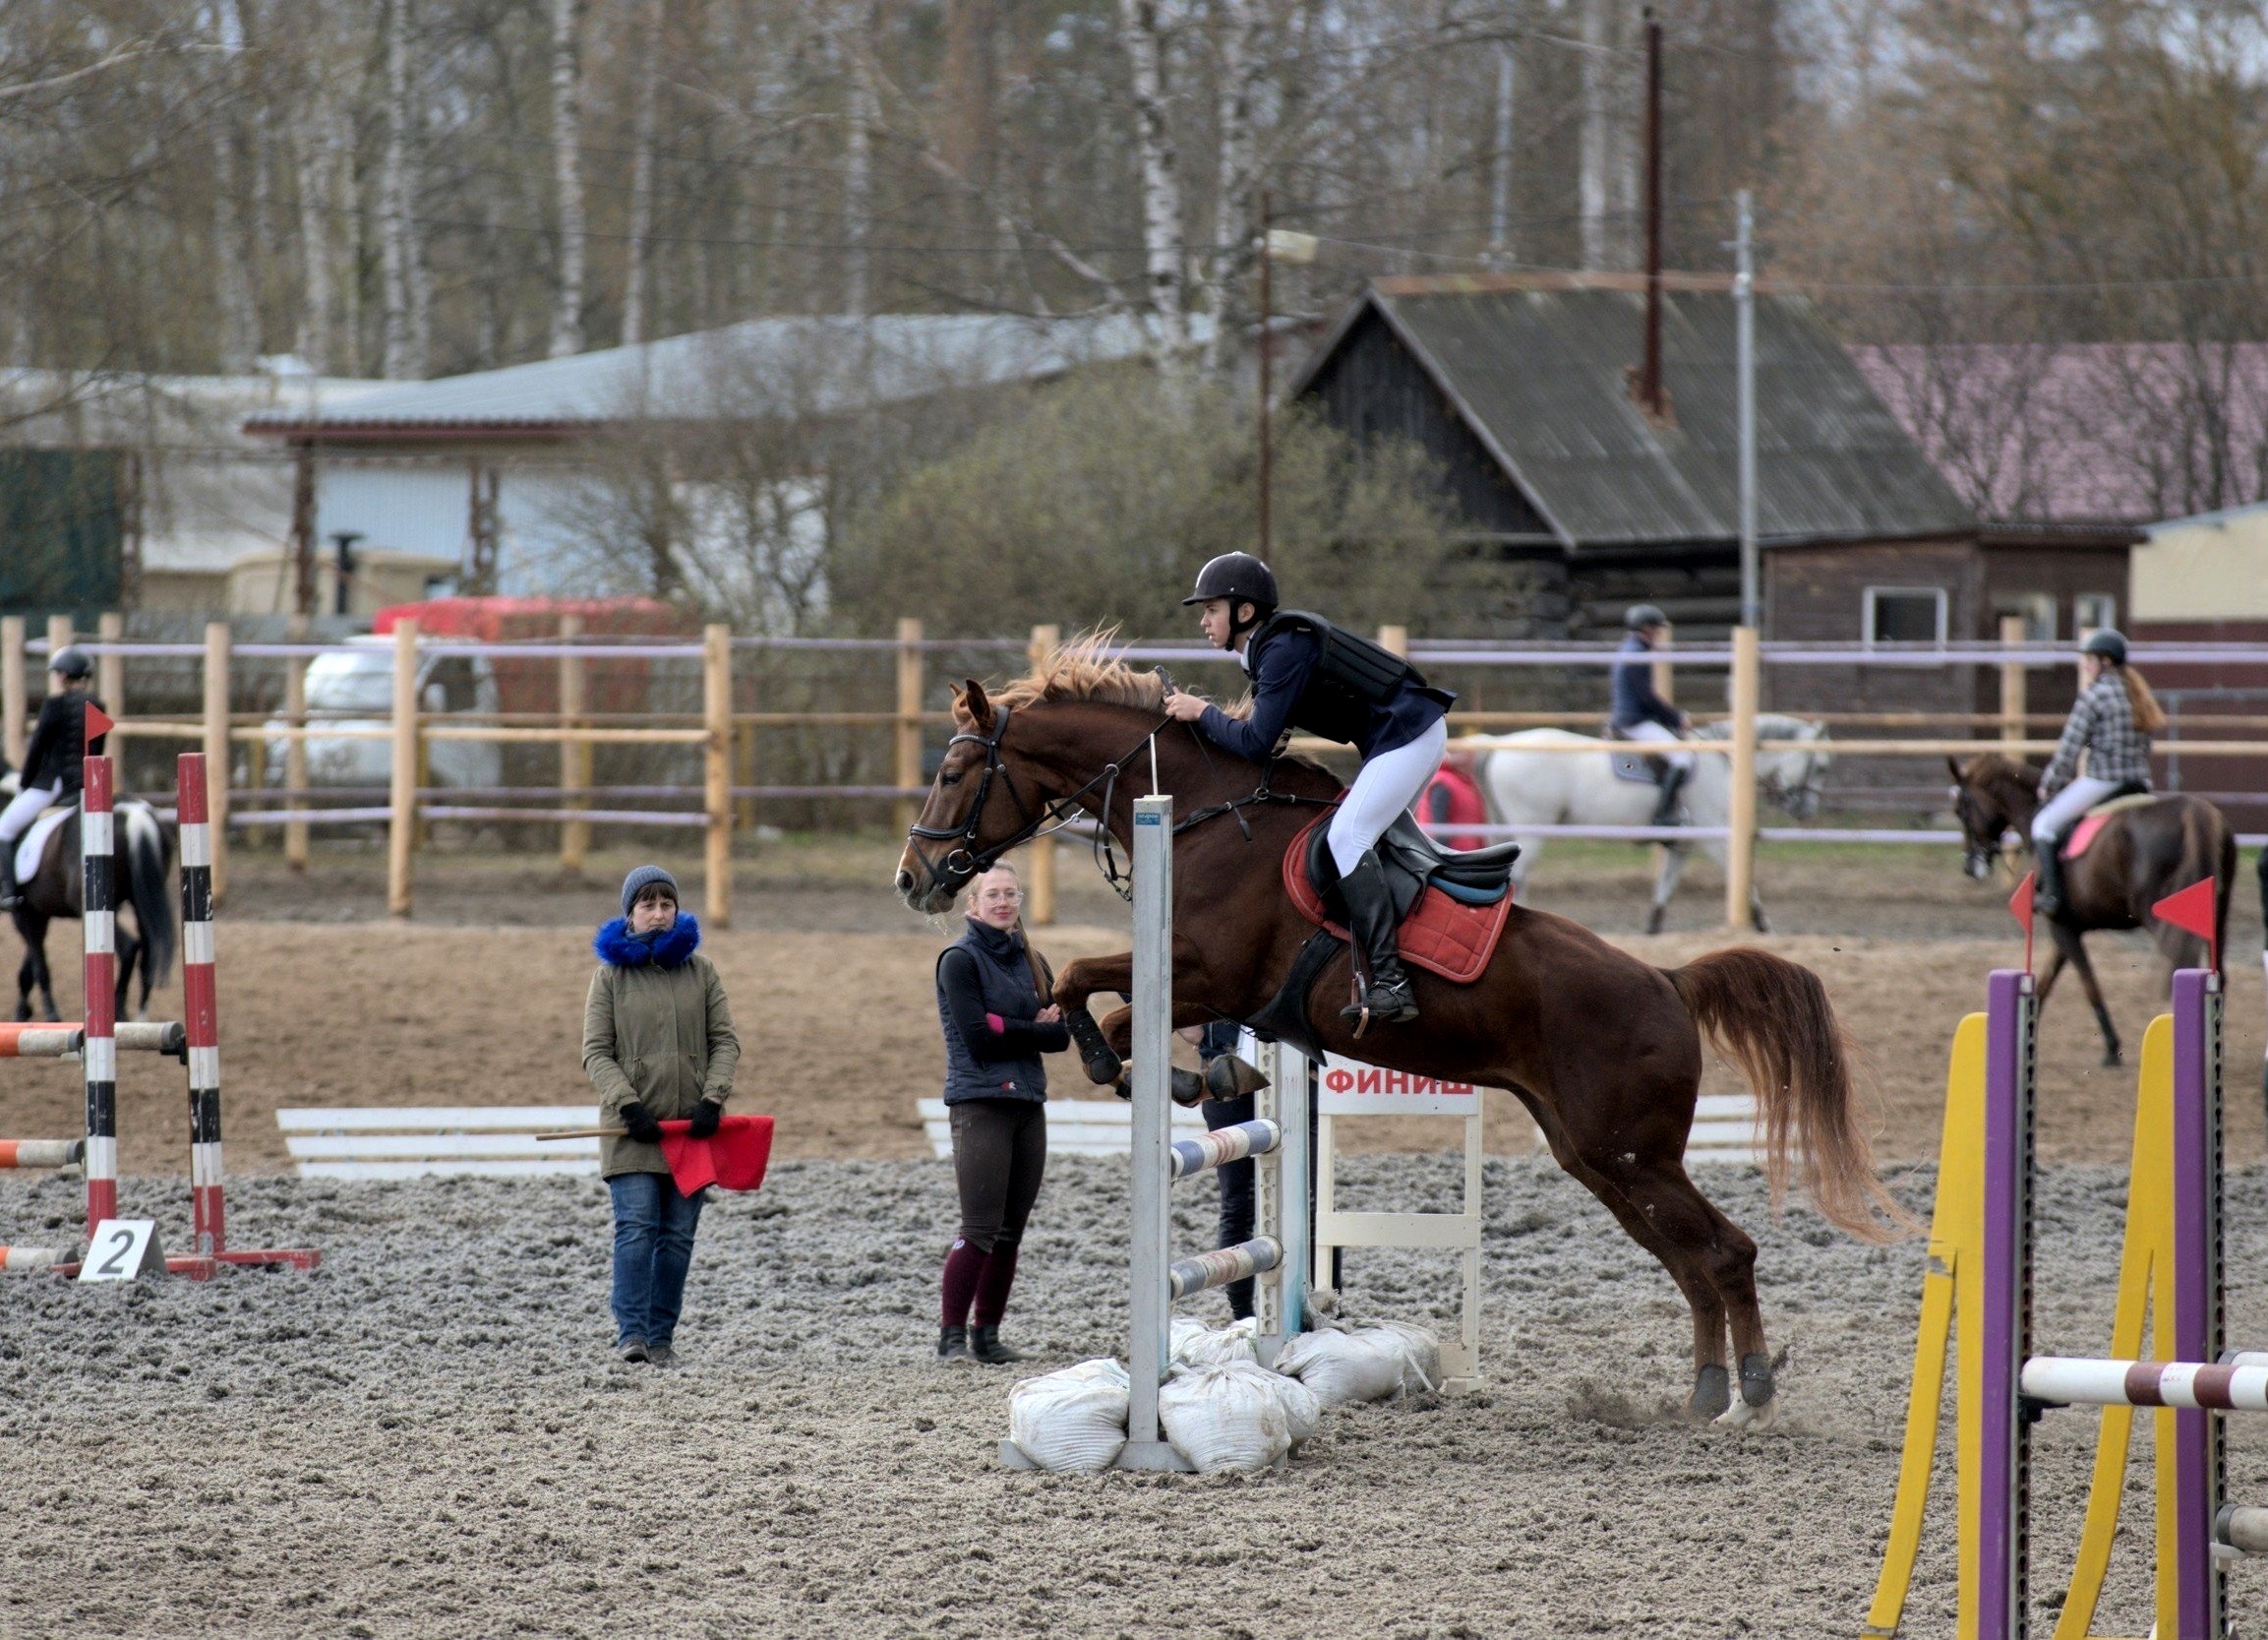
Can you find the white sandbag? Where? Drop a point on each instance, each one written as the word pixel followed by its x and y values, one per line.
pixel 1224 1417
pixel 1345 1367
pixel 1423 1349
pixel 1197 1345
pixel 1302 1411
pixel 1071 1419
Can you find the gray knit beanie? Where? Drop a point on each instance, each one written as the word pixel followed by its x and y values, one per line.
pixel 645 878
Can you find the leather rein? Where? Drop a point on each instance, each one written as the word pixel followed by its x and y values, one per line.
pixel 965 860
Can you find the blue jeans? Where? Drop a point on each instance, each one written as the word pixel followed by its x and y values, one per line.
pixel 654 1223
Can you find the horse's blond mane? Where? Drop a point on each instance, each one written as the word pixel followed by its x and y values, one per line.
pixel 1085 669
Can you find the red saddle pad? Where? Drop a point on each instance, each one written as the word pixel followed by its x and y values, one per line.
pixel 1441 934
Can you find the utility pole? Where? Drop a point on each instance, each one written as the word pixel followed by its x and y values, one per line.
pixel 1745 314
pixel 1651 393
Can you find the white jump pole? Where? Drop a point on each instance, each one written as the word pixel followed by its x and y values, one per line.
pixel 1151 1075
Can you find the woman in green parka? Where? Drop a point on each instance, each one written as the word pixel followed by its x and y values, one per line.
pixel 658 1045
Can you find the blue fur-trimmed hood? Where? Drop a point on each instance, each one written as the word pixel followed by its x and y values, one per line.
pixel 669 949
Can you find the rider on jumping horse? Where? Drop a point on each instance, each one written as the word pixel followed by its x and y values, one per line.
pixel 2112 722
pixel 1308 674
pixel 53 766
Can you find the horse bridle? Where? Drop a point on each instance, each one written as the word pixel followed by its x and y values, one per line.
pixel 965 860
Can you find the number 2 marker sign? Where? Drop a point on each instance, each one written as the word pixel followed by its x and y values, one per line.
pixel 124 1250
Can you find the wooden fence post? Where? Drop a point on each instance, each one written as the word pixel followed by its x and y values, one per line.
pixel 2012 679
pixel 1395 641
pixel 13 708
pixel 1665 672
pixel 401 821
pixel 295 748
pixel 575 756
pixel 110 680
pixel 717 759
pixel 1040 895
pixel 216 750
pixel 907 766
pixel 59 636
pixel 1741 800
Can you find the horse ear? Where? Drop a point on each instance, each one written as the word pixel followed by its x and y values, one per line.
pixel 1954 763
pixel 970 704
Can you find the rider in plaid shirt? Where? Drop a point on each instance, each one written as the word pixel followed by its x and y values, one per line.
pixel 2112 723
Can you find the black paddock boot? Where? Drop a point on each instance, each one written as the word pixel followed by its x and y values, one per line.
pixel 953 1343
pixel 1389 999
pixel 1665 805
pixel 2048 878
pixel 984 1343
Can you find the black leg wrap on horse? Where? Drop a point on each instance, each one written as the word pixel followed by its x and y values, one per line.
pixel 1103 1065
pixel 1713 1394
pixel 1757 1379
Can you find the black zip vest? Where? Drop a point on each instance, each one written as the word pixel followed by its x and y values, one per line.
pixel 1351 678
pixel 1005 974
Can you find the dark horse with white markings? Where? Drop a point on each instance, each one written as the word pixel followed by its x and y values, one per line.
pixel 143 850
pixel 1604 1049
pixel 2141 855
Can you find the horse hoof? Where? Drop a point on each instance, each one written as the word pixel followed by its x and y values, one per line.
pixel 1189 1088
pixel 1751 1420
pixel 1713 1395
pixel 2111 1059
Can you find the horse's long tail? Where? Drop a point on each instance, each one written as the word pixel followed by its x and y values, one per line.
pixel 145 861
pixel 1771 1017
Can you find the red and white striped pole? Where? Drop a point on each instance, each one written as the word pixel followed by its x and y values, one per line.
pixel 199 1009
pixel 100 1050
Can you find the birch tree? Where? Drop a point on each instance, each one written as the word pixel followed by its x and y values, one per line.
pixel 400 249
pixel 1142 29
pixel 651 23
pixel 567 325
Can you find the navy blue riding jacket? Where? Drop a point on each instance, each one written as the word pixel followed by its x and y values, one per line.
pixel 1285 664
pixel 54 758
pixel 987 1001
pixel 1635 698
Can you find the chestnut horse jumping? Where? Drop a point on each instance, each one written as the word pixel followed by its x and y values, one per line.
pixel 1604 1049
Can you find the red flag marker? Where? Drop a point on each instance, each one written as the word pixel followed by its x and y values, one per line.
pixel 98 723
pixel 2191 910
pixel 734 1159
pixel 2020 908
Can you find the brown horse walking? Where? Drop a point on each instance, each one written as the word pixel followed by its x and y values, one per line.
pixel 1604 1049
pixel 2141 855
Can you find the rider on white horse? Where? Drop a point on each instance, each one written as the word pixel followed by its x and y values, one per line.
pixel 52 769
pixel 1308 674
pixel 1641 714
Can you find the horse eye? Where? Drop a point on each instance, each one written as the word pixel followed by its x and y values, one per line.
pixel 949 777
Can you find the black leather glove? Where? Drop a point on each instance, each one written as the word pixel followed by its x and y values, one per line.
pixel 706 1114
pixel 640 1126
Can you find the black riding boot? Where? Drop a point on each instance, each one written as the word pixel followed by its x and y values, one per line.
pixel 1389 999
pixel 9 894
pixel 2048 878
pixel 1665 805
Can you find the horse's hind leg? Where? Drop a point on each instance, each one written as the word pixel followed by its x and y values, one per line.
pixel 1673 859
pixel 129 949
pixel 27 975
pixel 1667 1197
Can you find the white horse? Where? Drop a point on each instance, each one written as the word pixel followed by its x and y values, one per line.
pixel 1562 788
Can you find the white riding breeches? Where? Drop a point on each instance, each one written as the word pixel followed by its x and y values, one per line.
pixel 1654 734
pixel 2062 810
pixel 1384 787
pixel 23 808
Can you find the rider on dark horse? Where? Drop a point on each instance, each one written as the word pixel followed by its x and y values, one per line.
pixel 2112 723
pixel 1308 674
pixel 1639 712
pixel 52 769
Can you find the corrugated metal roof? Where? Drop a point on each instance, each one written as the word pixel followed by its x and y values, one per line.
pixel 764 367
pixel 1539 369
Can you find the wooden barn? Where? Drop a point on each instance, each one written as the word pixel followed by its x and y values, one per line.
pixel 1523 389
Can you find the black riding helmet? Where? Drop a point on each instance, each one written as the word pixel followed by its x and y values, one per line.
pixel 1643 615
pixel 2110 644
pixel 73 663
pixel 1242 579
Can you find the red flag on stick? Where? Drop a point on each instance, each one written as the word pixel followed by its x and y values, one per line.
pixel 98 724
pixel 734 1159
pixel 2193 911
pixel 2020 908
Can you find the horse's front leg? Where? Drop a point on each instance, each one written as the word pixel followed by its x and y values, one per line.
pixel 1079 981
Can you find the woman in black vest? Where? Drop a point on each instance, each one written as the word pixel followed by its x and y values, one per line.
pixel 990 991
pixel 1308 674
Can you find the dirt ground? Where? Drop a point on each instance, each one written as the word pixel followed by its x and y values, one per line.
pixel 426 1438
pixel 478 1000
